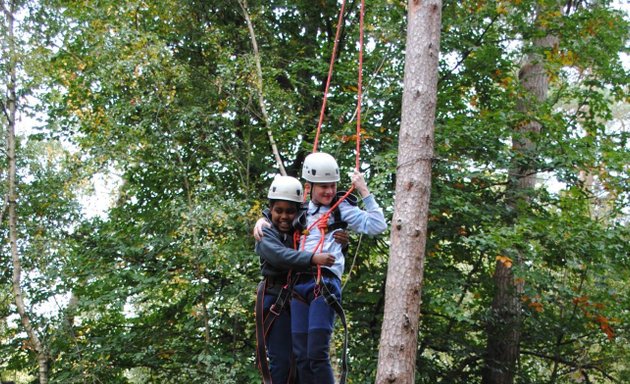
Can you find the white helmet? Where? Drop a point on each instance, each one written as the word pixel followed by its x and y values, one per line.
pixel 286 188
pixel 320 167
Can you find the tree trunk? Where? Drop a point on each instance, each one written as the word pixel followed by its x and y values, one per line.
pixel 399 334
pixel 504 328
pixel 10 108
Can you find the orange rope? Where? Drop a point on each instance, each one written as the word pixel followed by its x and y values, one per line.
pixel 360 85
pixel 321 223
pixel 330 71
pixel 324 218
pixel 333 57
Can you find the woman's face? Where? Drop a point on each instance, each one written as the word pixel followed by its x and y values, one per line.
pixel 323 193
pixel 282 215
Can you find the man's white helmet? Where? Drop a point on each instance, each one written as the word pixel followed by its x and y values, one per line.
pixel 286 188
pixel 320 167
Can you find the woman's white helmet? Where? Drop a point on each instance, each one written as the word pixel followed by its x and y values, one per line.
pixel 286 188
pixel 320 167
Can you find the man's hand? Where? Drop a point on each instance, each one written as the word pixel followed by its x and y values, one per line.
pixel 326 259
pixel 258 228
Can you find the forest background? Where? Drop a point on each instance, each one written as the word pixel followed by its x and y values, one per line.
pixel 153 281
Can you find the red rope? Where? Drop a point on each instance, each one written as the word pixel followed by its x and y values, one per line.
pixel 321 223
pixel 360 85
pixel 330 71
pixel 324 218
pixel 333 57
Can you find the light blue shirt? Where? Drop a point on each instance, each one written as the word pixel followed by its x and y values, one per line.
pixel 370 221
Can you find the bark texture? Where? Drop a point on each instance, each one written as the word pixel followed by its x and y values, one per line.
pixel 399 334
pixel 504 327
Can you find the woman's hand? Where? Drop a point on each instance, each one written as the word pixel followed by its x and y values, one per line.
pixel 258 228
pixel 325 259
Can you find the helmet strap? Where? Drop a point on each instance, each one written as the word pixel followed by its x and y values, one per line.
pixel 307 189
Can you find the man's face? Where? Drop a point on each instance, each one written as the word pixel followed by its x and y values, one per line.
pixel 282 215
pixel 323 193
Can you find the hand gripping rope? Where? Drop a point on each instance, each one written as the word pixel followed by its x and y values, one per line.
pixel 322 222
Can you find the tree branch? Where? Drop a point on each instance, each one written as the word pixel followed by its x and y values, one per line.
pixel 4 9
pixel 259 84
pixel 572 364
pixel 469 51
pixel 4 109
pixel 5 207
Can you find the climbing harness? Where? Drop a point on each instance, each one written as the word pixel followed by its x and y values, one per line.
pixel 334 303
pixel 322 222
pixel 338 222
pixel 263 323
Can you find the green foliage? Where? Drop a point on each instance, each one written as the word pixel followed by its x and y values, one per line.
pixel 163 95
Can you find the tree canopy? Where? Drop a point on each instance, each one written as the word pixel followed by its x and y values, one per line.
pixel 161 99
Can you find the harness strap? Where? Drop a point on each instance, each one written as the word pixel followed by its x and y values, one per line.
pixel 261 350
pixel 264 323
pixel 276 308
pixel 334 303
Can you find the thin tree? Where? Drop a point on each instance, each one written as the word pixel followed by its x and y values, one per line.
pixel 9 106
pixel 399 333
pixel 504 328
pixel 259 87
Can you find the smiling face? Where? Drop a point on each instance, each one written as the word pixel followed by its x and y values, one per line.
pixel 323 193
pixel 282 214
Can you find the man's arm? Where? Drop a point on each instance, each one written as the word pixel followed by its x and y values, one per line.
pixel 341 237
pixel 272 250
pixel 258 228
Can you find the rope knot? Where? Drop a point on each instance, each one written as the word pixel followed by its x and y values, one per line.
pixel 322 224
